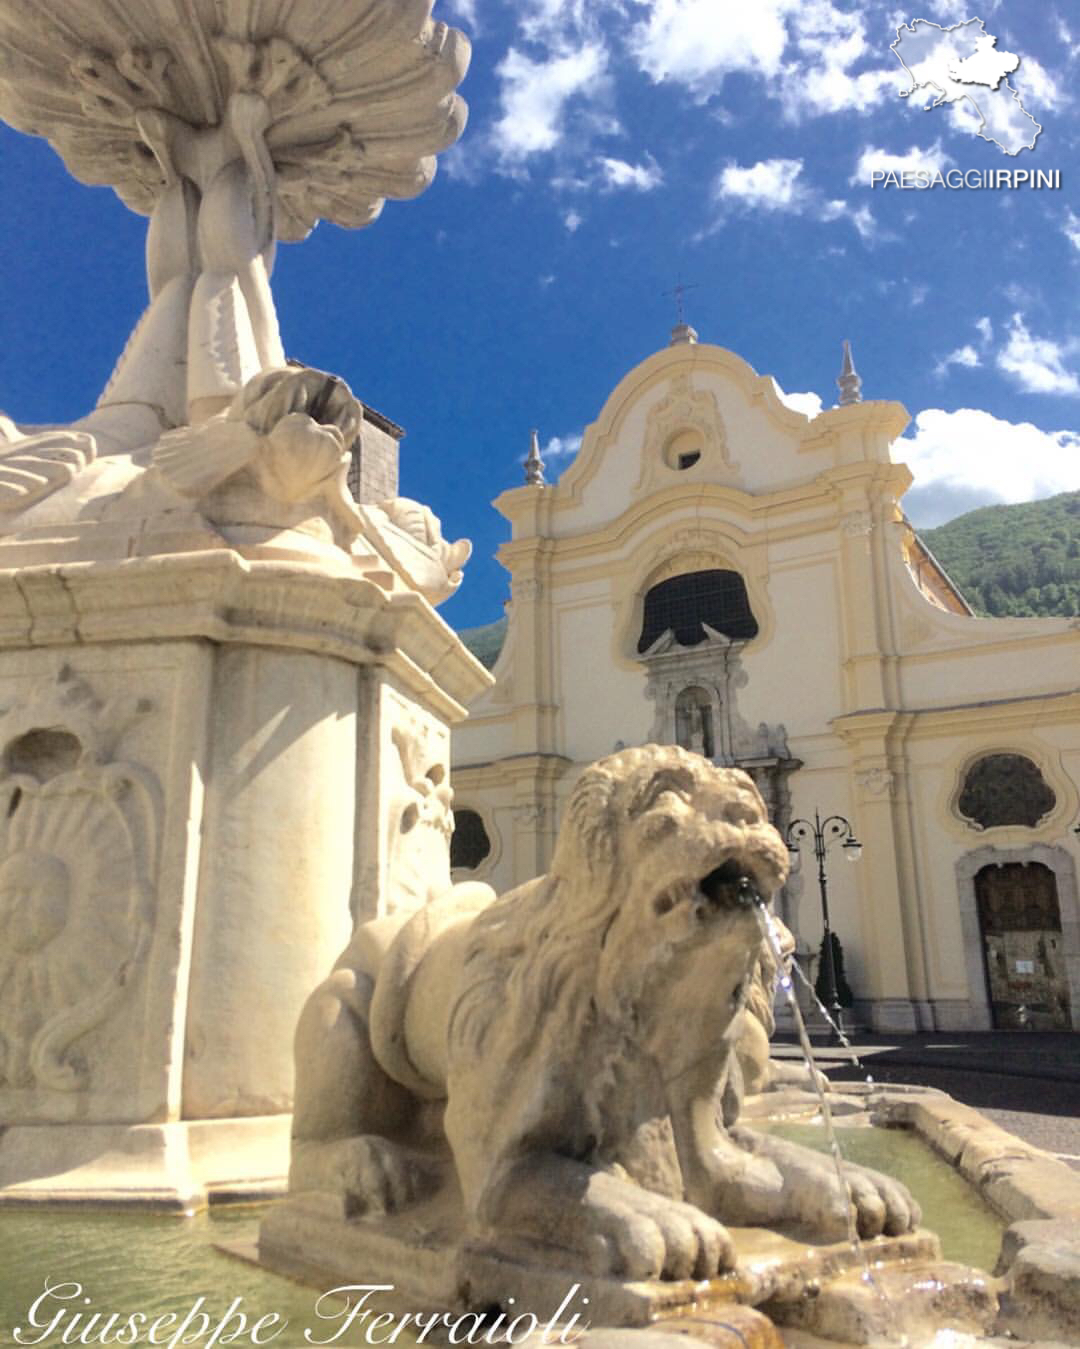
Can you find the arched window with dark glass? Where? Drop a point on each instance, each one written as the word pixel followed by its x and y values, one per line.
pixel 684 603
pixel 469 843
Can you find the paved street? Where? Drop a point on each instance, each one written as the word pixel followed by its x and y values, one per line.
pixel 1028 1082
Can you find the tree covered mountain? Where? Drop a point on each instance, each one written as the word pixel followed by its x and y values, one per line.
pixel 1015 561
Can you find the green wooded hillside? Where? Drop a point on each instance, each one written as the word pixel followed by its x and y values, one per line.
pixel 1021 561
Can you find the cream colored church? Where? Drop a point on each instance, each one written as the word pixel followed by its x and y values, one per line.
pixel 719 570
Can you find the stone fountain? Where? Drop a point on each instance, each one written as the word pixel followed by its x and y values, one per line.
pixel 223 760
pixel 537 1108
pixel 226 695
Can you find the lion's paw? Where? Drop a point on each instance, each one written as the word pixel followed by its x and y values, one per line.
pixel 640 1235
pixel 881 1205
pixel 811 1192
pixel 370 1173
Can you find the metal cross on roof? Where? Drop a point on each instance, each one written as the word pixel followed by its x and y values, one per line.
pixel 679 293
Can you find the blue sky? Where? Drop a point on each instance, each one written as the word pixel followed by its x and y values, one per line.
pixel 614 146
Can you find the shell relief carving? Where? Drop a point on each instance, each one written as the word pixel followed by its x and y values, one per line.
pixel 77 846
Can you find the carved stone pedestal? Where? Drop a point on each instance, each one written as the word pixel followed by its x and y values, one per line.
pixel 207 767
pixel 420 1264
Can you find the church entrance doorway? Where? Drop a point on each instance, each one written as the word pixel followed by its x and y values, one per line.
pixel 1020 923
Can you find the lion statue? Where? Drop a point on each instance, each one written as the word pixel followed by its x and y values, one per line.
pixel 572 1053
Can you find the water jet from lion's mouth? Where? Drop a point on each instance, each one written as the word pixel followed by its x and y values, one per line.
pixel 729 886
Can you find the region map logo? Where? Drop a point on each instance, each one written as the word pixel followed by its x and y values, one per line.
pixel 962 66
pixel 960 70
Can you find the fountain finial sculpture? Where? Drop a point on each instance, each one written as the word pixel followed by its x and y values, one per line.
pixel 232 126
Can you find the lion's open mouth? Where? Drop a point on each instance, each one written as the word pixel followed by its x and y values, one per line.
pixel 728 887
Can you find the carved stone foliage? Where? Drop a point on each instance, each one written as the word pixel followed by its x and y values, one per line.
pixel 527 589
pixel 78 839
pixel 857 524
pixel 684 431
pixel 876 781
pixel 356 99
pixel 1005 789
pixel 415 781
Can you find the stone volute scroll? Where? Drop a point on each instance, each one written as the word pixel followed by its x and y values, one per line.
pixel 78 842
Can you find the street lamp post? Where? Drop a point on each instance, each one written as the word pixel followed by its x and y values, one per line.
pixel 823 833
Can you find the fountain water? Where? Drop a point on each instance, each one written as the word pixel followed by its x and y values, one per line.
pixel 784 965
pixel 497 1099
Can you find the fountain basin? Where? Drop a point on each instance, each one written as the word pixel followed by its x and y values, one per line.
pixel 129 1262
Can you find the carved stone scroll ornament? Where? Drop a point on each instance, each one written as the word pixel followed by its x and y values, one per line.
pixel 78 838
pixel 876 781
pixel 419 818
pixel 34 464
pixel 279 458
pixel 683 412
pixel 232 124
pixel 411 534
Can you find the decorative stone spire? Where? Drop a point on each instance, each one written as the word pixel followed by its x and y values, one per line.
pixel 683 335
pixel 849 383
pixel 534 465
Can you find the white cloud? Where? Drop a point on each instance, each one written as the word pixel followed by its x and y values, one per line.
pixel 769 185
pixel 809 404
pixel 1037 364
pixel 1071 228
pixel 465 10
pixel 985 330
pixel 966 356
pixel 534 97
pixel 561 447
pixel 953 11
pixel 949 9
pixel 573 221
pixel 640 177
pixel 1036 86
pixel 554 20
pixel 777 186
pixel 1068 41
pixel 872 160
pixel 969 458
pixel 803 50
pixel 686 42
pixel 863 220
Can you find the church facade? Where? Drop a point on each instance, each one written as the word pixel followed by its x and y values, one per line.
pixel 718 570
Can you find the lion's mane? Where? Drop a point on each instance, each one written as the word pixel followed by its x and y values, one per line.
pixel 537 947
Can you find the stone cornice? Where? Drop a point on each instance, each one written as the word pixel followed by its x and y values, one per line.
pixel 222 597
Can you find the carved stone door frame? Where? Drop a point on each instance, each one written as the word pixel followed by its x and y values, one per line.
pixel 1060 862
